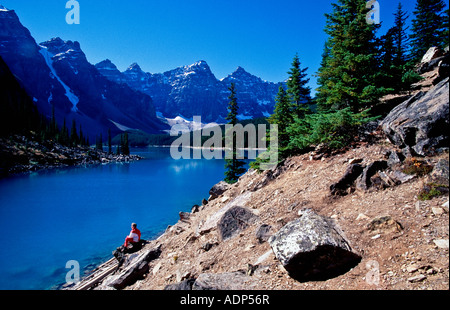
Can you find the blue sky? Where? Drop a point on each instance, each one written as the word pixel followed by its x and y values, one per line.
pixel 262 36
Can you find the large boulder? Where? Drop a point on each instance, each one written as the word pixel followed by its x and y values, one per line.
pixel 312 248
pixel 421 123
pixel 430 60
pixel 233 221
pixel 432 53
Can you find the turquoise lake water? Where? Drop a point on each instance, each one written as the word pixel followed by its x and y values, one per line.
pixel 84 213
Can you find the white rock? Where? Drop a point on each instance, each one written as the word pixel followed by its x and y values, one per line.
pixel 417 278
pixel 412 268
pixel 441 243
pixel 263 257
pixel 437 211
pixel 362 216
pixel 156 268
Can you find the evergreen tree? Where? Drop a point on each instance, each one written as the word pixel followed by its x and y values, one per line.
pixel 81 138
pixel 396 71
pixel 74 139
pixel 446 29
pixel 63 137
pixel 109 142
pixel 428 27
pixel 118 150
pixel 350 72
pixel 125 148
pixel 298 92
pixel 53 126
pixel 99 143
pixel 323 79
pixel 233 166
pixel 282 117
pixel 400 38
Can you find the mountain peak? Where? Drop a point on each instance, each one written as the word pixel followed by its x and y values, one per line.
pixel 240 69
pixel 201 64
pixel 106 64
pixel 3 9
pixel 58 45
pixel 134 67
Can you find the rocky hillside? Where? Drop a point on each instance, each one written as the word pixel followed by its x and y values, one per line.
pixel 372 216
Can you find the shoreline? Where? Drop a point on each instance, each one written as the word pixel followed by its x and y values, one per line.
pixel 21 156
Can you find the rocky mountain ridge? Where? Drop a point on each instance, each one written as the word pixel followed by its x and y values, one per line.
pixel 194 90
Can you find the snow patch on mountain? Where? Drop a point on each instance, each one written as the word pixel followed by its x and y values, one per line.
pixel 69 93
pixel 185 124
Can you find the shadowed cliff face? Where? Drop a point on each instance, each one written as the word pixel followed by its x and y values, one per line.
pixel 57 74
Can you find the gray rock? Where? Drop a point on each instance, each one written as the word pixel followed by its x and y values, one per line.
pixel 263 233
pixel 224 281
pixel 185 285
pixel 440 173
pixel 212 221
pixel 312 248
pixel 395 158
pixel 341 187
pixel 444 69
pixel 218 189
pixel 184 216
pixel 364 181
pixel 432 53
pixel 421 123
pixel 136 269
pixel 233 221
pixel 400 177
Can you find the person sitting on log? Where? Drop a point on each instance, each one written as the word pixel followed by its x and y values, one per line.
pixel 134 236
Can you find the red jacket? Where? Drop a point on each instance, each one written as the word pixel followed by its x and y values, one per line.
pixel 135 234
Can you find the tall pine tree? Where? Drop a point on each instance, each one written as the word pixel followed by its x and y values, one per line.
pixel 395 66
pixel 428 27
pixel 323 79
pixel 445 35
pixel 349 78
pixel 298 91
pixel 282 117
pixel 234 167
pixel 400 38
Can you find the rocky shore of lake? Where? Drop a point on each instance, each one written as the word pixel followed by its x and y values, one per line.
pixel 19 154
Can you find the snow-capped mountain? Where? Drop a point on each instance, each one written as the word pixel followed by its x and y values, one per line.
pixel 57 74
pixel 193 90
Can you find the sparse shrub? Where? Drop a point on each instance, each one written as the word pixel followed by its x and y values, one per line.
pixel 431 190
pixel 333 129
pixel 414 166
